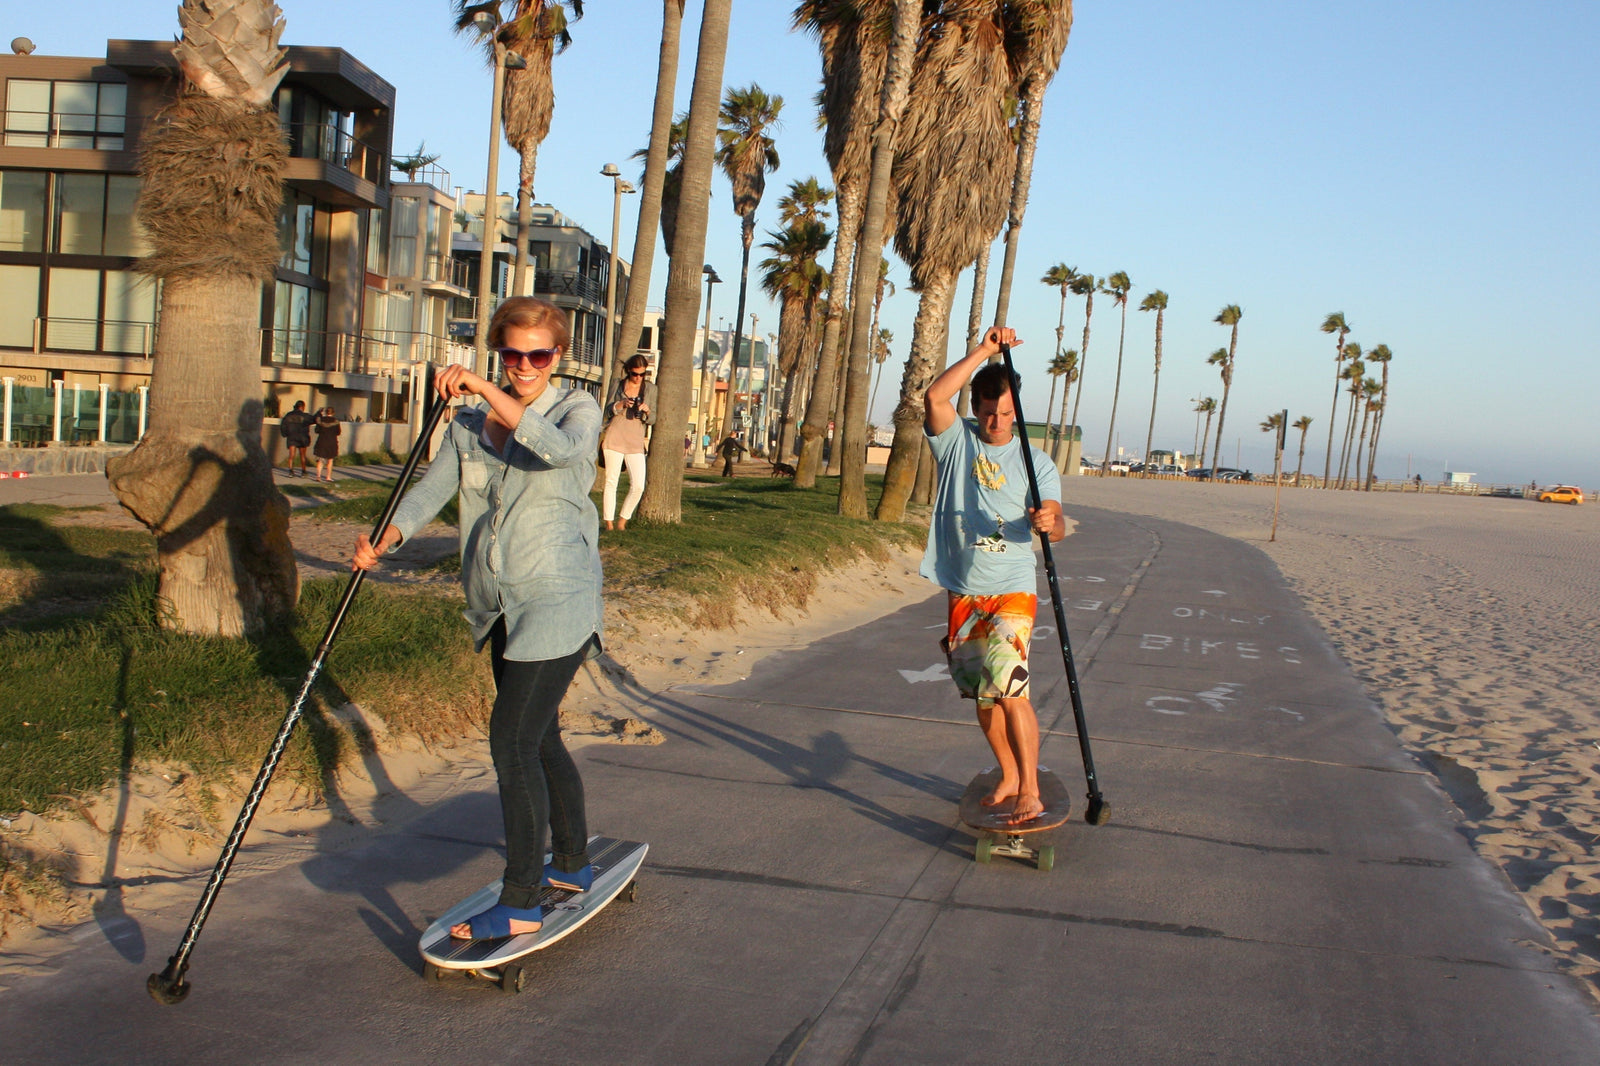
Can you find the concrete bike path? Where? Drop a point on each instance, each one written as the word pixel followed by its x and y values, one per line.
pixel 1277 882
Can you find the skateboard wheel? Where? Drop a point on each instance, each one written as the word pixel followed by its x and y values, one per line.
pixel 513 978
pixel 432 972
pixel 980 853
pixel 632 891
pixel 1047 857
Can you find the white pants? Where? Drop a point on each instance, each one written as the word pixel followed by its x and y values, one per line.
pixel 608 499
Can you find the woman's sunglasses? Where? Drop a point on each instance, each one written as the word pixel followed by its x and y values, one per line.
pixel 538 358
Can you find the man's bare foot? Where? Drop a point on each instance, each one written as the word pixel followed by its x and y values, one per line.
pixel 1028 807
pixel 1003 792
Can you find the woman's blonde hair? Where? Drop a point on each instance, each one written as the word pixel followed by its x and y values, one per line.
pixel 529 312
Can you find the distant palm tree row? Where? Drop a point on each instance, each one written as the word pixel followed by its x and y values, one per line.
pixel 1369 395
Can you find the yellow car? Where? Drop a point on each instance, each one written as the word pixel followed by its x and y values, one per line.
pixel 1561 494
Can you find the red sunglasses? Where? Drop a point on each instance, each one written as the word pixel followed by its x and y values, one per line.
pixel 538 358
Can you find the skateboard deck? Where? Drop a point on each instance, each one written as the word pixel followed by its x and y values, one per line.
pixel 998 837
pixel 615 864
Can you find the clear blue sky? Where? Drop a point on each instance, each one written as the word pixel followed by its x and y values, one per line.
pixel 1428 168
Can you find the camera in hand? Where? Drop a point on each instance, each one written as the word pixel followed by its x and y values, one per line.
pixel 631 406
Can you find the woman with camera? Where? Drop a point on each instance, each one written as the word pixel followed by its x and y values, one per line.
pixel 631 409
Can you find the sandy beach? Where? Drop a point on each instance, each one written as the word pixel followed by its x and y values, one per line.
pixel 1471 622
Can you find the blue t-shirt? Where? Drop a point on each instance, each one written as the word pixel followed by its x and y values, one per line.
pixel 979 542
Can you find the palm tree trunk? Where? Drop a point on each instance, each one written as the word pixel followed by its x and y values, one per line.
pixel 1222 416
pixel 748 235
pixel 1333 418
pixel 815 428
pixel 1150 434
pixel 980 282
pixel 1063 445
pixel 1361 441
pixel 1205 437
pixel 929 337
pixel 1302 460
pixel 663 494
pixel 1083 363
pixel 1032 104
pixel 1116 392
pixel 1349 437
pixel 840 381
pixel 529 160
pixel 655 169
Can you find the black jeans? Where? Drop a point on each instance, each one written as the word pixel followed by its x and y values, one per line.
pixel 539 783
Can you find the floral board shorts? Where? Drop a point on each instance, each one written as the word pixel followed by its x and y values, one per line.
pixel 987 645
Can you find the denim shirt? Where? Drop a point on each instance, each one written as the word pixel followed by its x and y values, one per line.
pixel 530 535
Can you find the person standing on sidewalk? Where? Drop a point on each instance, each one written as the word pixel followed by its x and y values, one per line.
pixel 729 449
pixel 980 550
pixel 296 429
pixel 327 446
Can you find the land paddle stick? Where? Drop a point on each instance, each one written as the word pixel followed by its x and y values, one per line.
pixel 1099 810
pixel 169 985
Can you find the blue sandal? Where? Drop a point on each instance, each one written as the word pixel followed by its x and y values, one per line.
pixel 572 881
pixel 495 923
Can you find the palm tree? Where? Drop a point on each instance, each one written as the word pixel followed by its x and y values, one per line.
pixel 536 30
pixel 1118 287
pixel 793 277
pixel 806 199
pixel 1083 285
pixel 1157 302
pixel 952 173
pixel 1336 325
pixel 663 493
pixel 1302 423
pixel 410 164
pixel 1367 397
pixel 652 183
pixel 887 134
pixel 854 41
pixel 746 154
pixel 1229 316
pixel 212 162
pixel 1064 446
pixel 1057 369
pixel 1209 406
pixel 1037 32
pixel 1218 359
pixel 671 177
pixel 1353 373
pixel 880 355
pixel 1379 354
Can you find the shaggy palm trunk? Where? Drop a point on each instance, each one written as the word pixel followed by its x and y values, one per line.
pixel 1116 391
pixel 655 169
pixel 929 337
pixel 1155 390
pixel 663 493
pixel 210 168
pixel 814 430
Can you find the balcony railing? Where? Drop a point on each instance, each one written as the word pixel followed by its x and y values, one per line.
pixel 98 335
pixel 319 140
pixel 379 352
pixel 63 129
pixel 449 270
pixel 436 176
pixel 569 283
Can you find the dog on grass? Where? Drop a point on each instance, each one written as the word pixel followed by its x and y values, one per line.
pixel 782 470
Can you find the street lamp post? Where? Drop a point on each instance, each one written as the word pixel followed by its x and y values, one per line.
pixel 488 24
pixel 707 375
pixel 611 351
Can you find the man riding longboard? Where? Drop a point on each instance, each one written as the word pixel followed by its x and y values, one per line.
pixel 980 550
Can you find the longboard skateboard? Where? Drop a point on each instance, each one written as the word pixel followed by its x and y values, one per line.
pixel 615 864
pixel 998 837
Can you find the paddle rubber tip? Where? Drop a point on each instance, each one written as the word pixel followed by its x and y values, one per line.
pixel 1099 812
pixel 166 991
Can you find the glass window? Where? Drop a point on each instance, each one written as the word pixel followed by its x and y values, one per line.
pixel 403 260
pixel 27 113
pixel 22 210
pixel 76 107
pixel 130 312
pixel 19 305
pixel 378 241
pixel 80 213
pixel 124 235
pixel 72 309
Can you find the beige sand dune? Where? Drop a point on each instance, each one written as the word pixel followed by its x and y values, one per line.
pixel 1472 621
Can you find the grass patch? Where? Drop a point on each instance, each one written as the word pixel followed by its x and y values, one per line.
pixel 362 502
pixel 90 696
pixel 47 563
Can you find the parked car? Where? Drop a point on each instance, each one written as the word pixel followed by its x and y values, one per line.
pixel 1224 473
pixel 1162 468
pixel 1561 494
pixel 1118 466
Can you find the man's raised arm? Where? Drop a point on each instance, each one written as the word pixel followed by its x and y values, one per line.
pixel 938 403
